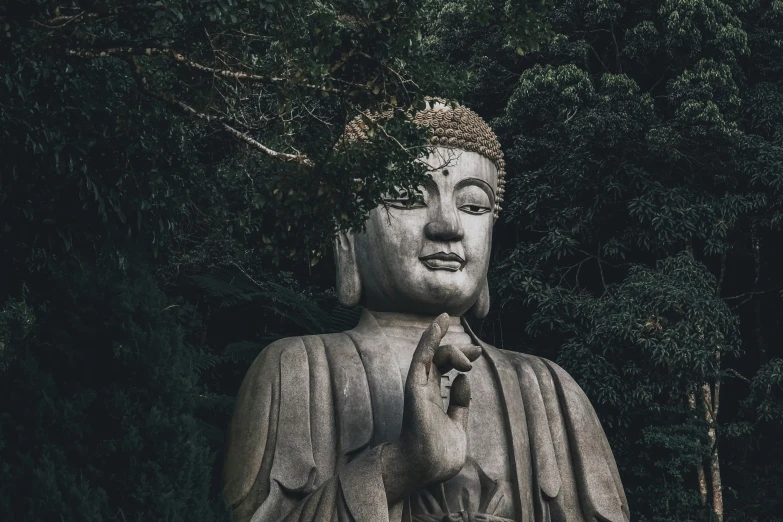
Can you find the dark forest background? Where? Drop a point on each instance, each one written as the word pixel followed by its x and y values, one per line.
pixel 171 177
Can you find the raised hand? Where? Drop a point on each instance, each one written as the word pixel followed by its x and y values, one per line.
pixel 433 443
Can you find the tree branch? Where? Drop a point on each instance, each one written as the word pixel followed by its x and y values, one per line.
pixel 141 81
pixel 300 159
pixel 757 263
pixel 399 76
pixel 62 21
pixel 719 287
pixel 616 50
pixel 179 58
pixel 343 59
pixel 736 374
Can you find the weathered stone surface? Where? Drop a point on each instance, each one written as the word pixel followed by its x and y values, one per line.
pixel 409 416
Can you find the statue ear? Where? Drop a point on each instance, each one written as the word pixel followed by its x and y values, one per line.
pixel 480 308
pixel 349 285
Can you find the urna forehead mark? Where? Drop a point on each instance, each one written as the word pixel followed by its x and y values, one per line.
pixel 446 161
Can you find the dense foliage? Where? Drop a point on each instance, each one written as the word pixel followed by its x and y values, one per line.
pixel 172 175
pixel 641 240
pixel 98 406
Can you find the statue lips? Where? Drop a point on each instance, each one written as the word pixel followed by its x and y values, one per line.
pixel 444 261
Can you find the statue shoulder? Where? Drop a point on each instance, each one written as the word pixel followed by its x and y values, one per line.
pixel 516 357
pixel 297 350
pixel 540 366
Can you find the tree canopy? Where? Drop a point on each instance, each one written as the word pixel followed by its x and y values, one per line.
pixel 173 175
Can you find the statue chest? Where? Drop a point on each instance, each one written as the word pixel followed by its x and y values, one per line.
pixel 485 484
pixel 374 416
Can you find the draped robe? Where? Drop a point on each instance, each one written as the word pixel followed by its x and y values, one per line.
pixel 304 441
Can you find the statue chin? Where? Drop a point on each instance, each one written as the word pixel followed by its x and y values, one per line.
pixel 423 299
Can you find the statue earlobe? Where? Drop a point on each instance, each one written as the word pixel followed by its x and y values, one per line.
pixel 480 308
pixel 349 284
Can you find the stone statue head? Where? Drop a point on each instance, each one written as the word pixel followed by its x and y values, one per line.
pixel 430 257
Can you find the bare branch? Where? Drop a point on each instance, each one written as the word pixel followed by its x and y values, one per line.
pixel 719 286
pixel 343 59
pixel 293 158
pixel 178 57
pixel 58 22
pixel 403 80
pixel 149 51
pixel 617 51
pixel 141 80
pixel 599 58
pixel 736 374
pixel 757 263
pixel 757 292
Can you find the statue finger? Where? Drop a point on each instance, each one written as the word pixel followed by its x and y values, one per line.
pixel 471 351
pixel 449 356
pixel 422 357
pixel 459 402
pixel 443 322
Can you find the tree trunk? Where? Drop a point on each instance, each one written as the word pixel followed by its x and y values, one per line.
pixel 701 477
pixel 710 400
pixel 717 487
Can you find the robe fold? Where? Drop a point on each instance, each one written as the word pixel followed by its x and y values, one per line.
pixel 312 412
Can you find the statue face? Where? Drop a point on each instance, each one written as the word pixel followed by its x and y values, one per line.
pixel 433 257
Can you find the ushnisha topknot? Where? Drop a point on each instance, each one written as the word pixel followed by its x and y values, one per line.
pixel 454 126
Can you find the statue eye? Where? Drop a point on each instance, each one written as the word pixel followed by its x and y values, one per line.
pixel 405 203
pixel 405 200
pixel 474 209
pixel 473 200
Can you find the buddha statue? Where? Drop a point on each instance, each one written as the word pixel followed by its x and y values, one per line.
pixel 410 417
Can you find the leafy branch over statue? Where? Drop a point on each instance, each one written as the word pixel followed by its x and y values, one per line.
pixel 278 84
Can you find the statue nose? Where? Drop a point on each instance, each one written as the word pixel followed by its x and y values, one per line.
pixel 445 228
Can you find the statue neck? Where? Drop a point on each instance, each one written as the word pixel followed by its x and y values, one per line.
pixel 409 327
pixel 403 331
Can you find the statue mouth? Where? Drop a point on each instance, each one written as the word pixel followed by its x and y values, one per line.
pixel 443 261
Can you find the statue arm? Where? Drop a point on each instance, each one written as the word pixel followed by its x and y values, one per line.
pixel 270 473
pixel 595 467
pixel 573 463
pixel 253 430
